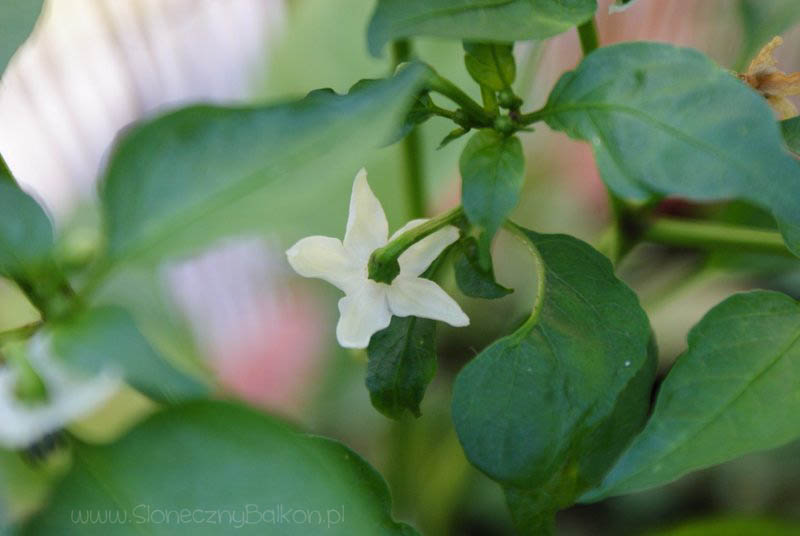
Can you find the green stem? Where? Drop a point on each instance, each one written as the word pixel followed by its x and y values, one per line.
pixel 587 32
pixel 20 333
pixel 714 236
pixel 412 147
pixel 445 87
pixel 489 100
pixel 383 263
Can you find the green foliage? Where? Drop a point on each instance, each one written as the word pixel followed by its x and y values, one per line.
pixel 17 18
pixel 733 392
pixel 26 236
pixel 666 120
pixel 402 362
pixel 791 133
pixel 180 181
pixel 546 411
pixel 219 457
pixel 107 338
pixel 491 65
pixel 475 20
pixel 471 278
pixel 492 172
pixel 731 527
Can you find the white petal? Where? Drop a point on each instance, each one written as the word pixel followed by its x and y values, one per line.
pixel 367 229
pixel 416 259
pixel 69 398
pixel 362 314
pixel 414 296
pixel 326 258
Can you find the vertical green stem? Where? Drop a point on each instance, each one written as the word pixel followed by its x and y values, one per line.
pixel 412 149
pixel 588 35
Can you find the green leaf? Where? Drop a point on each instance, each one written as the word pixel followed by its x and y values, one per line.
pixel 791 133
pixel 452 136
pixel 475 20
pixel 107 337
pixel 181 181
pixel 402 362
pixel 736 390
pixel 491 65
pixel 471 278
pixel 546 411
pixel 17 18
pixel 666 120
pixel 26 235
pixel 492 173
pixel 731 527
pixel 219 461
pixel 761 21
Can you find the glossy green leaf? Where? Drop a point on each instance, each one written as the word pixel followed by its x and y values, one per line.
pixel 475 20
pixel 183 180
pixel 208 458
pixel 546 411
pixel 791 133
pixel 402 362
pixel 492 173
pixel 761 21
pixel 471 278
pixel 731 527
pixel 107 338
pixel 26 235
pixel 17 18
pixel 736 390
pixel 666 120
pixel 491 65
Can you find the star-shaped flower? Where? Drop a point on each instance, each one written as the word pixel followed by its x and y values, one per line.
pixel 764 76
pixel 68 397
pixel 368 306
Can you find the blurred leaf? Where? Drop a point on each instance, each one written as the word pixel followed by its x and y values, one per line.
pixel 475 20
pixel 108 337
pixel 761 21
pixel 492 173
pixel 452 136
pixel 667 120
pixel 219 457
pixel 183 180
pixel 473 280
pixel 22 486
pixel 731 527
pixel 791 133
pixel 402 362
pixel 733 392
pixel 546 410
pixel 17 19
pixel 490 65
pixel 26 236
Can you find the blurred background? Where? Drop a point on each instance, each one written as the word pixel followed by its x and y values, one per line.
pixel 93 67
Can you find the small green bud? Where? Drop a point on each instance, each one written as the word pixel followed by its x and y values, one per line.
pixel 504 124
pixel 508 100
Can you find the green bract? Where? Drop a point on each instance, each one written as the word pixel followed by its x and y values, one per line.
pixel 666 120
pixel 476 20
pixel 733 392
pixel 546 411
pixel 218 458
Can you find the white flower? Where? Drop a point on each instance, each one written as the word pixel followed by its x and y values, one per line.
pixel 368 306
pixel 69 397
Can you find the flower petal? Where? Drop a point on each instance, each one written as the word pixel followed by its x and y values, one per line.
pixel 362 313
pixel 416 259
pixel 326 258
pixel 367 228
pixel 414 296
pixel 70 397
